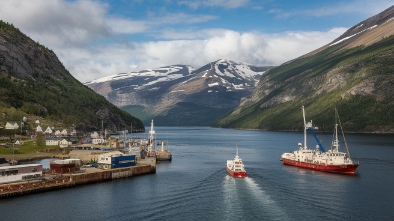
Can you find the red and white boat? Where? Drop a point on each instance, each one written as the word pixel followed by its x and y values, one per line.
pixel 235 167
pixel 328 161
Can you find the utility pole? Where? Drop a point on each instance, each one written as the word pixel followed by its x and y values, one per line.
pixel 13 148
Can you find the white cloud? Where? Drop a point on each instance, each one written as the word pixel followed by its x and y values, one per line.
pixel 229 4
pixel 92 44
pixel 253 48
pixel 57 22
pixel 182 18
pixel 126 26
pixel 360 7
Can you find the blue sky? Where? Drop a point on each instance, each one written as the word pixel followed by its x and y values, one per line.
pixel 95 39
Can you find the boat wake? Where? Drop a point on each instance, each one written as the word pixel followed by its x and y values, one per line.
pixel 231 199
pixel 269 206
pixel 245 196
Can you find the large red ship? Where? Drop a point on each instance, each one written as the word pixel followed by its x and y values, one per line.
pixel 236 167
pixel 332 160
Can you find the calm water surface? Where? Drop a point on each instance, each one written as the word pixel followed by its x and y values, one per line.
pixel 195 185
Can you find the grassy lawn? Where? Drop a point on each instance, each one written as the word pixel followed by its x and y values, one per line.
pixel 29 150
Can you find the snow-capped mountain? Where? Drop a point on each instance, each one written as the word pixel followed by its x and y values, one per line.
pixel 179 90
pixel 146 79
pixel 230 74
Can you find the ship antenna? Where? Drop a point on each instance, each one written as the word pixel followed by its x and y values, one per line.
pixel 335 140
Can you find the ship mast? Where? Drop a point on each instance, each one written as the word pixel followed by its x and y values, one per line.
pixel 303 114
pixel 343 134
pixel 236 152
pixel 152 139
pixel 336 143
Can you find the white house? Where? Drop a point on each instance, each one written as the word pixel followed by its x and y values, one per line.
pixel 51 141
pixel 37 122
pixel 94 135
pixel 98 141
pixel 11 126
pixel 64 132
pixel 64 143
pixel 58 133
pixel 38 129
pixel 48 130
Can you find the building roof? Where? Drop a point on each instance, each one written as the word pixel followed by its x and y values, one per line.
pixel 112 153
pixel 19 166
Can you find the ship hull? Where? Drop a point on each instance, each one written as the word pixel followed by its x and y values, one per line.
pixel 163 155
pixel 236 174
pixel 342 169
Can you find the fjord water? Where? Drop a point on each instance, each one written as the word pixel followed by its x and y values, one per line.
pixel 196 186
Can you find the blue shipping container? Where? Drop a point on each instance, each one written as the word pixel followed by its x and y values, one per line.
pixel 123 161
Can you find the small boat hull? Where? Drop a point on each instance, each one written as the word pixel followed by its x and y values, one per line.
pixel 163 155
pixel 342 169
pixel 236 174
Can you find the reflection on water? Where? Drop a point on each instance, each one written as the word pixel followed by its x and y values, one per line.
pixel 45 162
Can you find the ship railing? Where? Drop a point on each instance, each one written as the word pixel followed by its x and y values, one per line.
pixel 351 161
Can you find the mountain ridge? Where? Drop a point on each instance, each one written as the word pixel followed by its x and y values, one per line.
pixel 154 93
pixel 355 78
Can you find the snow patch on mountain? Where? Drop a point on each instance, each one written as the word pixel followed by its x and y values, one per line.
pixel 238 86
pixel 213 84
pixel 235 69
pixel 345 38
pixel 232 75
pixel 389 20
pixel 162 74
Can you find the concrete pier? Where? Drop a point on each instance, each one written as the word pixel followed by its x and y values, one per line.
pixel 91 175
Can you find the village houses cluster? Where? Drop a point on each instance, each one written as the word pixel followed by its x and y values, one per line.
pixel 61 138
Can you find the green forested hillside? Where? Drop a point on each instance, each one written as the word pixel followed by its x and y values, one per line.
pixel 34 83
pixel 359 82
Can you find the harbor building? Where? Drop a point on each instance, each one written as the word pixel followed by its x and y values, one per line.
pixel 115 159
pixel 65 166
pixel 19 172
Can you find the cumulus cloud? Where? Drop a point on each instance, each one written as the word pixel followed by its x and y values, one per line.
pixel 92 44
pixel 254 48
pixel 127 26
pixel 57 22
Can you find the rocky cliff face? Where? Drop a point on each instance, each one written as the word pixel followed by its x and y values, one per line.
pixel 354 74
pixel 180 95
pixel 35 83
